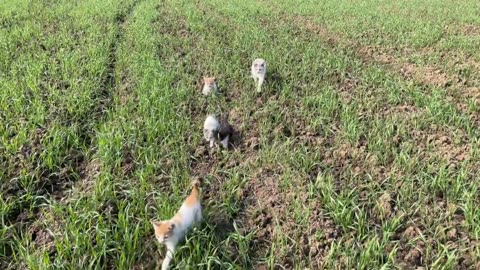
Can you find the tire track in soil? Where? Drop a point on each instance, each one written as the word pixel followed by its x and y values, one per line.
pixel 114 82
pixel 58 184
pixel 108 87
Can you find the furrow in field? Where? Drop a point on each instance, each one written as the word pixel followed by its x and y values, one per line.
pixel 115 87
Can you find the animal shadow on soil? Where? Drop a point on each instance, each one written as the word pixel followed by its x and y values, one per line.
pixel 273 85
pixel 274 80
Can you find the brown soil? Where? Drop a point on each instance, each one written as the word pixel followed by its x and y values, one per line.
pixel 354 160
pixel 268 215
pixel 85 185
pixel 384 205
pixel 470 30
pixel 413 240
pixel 331 38
pixel 43 238
pixel 150 259
pixel 404 110
pixel 347 88
pixel 443 145
pixel 425 74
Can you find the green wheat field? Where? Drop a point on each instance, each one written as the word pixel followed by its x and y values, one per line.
pixel 361 151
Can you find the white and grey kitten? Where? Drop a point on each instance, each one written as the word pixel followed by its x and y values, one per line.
pixel 217 132
pixel 259 70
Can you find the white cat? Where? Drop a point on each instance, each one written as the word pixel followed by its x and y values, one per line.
pixel 209 85
pixel 259 70
pixel 211 127
pixel 170 232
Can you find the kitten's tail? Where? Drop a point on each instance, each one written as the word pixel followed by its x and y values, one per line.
pixel 196 186
pixel 195 183
pixel 195 194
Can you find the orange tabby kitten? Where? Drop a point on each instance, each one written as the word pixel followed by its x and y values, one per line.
pixel 170 232
pixel 209 85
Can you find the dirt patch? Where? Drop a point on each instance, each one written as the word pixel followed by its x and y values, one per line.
pixel 294 126
pixel 128 162
pixel 472 96
pixel 89 175
pixel 443 145
pixel 403 111
pixel 347 88
pixel 204 160
pixel 411 232
pixel 43 239
pixel 415 238
pixel 311 138
pixel 327 36
pixel 424 74
pixel 262 210
pixel 414 255
pixel 42 228
pixel 125 88
pixel 350 161
pixel 269 216
pixel 409 255
pixel 470 30
pixel 427 75
pixel 150 258
pixel 385 205
pixel 472 92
